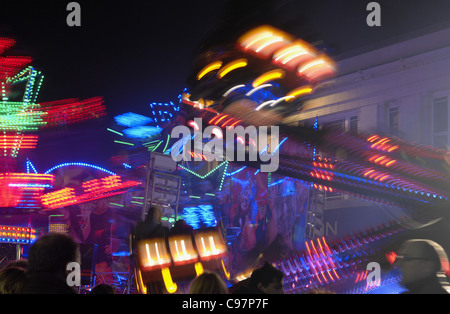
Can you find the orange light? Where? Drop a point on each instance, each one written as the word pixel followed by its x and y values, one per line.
pixel 268 76
pixel 391 149
pixel 391 163
pixel 372 138
pixel 368 172
pixel 294 54
pixel 54 199
pixel 153 253
pixel 264 40
pixel 299 92
pixel 182 249
pixel 233 65
pixel 317 68
pixel 225 271
pixel 198 268
pixel 391 257
pixel 223 117
pixel 171 287
pixel 209 68
pixel 210 245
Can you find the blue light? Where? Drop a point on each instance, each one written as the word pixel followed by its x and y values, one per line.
pixel 142 131
pixel 82 164
pixel 29 164
pixel 199 216
pixel 29 185
pixel 131 119
pixel 279 145
pixel 235 172
pixel 275 183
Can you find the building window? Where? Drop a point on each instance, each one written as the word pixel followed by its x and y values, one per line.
pixel 393 121
pixel 338 125
pixel 353 125
pixel 440 122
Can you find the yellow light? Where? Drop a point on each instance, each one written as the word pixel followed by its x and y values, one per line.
pixel 227 273
pixel 262 37
pixel 233 65
pixel 153 253
pixel 318 67
pixel 311 65
pixel 268 76
pixel 171 287
pixel 198 268
pixel 182 249
pixel 299 91
pixel 210 245
pixel 140 282
pixel 210 67
pixel 300 50
pixel 254 38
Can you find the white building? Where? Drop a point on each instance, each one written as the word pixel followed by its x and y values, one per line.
pixel 401 89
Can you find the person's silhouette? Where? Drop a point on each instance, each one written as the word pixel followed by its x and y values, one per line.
pixel 423 264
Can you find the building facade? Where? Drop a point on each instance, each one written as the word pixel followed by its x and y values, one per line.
pixel 401 90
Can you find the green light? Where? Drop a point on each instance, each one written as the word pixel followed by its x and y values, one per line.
pixel 209 173
pixel 167 143
pixel 156 146
pixel 111 130
pixel 115 204
pixel 223 177
pixel 150 142
pixel 124 143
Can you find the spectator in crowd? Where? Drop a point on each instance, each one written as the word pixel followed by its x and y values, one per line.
pixel 208 283
pixel 423 264
pixel 47 261
pixel 19 263
pixel 264 280
pixel 12 280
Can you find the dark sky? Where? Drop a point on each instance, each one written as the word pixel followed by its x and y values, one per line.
pixel 136 52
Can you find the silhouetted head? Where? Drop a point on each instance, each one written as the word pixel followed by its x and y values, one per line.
pixel 154 214
pixel 12 280
pixel 208 283
pixel 51 254
pixel 268 279
pixel 421 259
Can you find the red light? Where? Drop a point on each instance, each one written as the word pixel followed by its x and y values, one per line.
pixel 62 112
pixel 391 257
pixel 93 189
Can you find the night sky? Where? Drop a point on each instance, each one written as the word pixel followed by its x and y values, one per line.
pixel 136 52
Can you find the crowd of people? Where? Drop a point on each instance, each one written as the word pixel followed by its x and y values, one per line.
pixel 423 264
pixel 44 272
